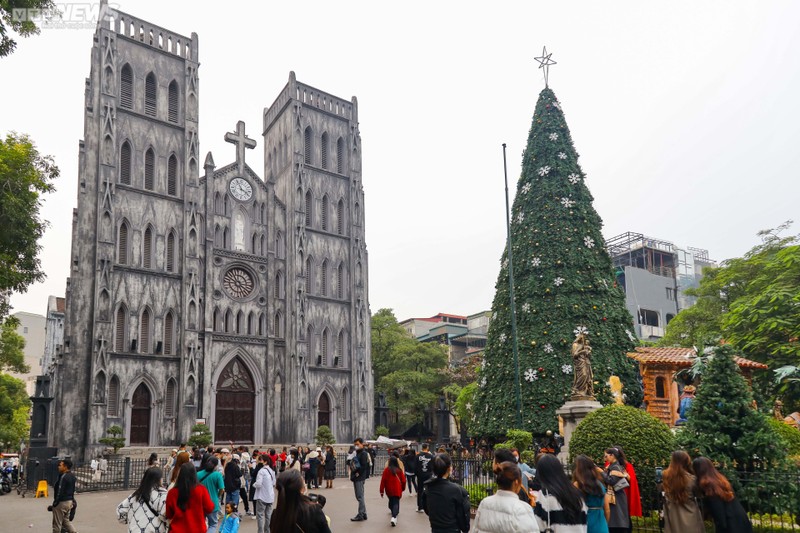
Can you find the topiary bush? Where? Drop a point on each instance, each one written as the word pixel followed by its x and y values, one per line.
pixel 790 435
pixel 646 441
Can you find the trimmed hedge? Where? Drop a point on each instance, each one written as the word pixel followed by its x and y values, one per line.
pixel 790 435
pixel 646 440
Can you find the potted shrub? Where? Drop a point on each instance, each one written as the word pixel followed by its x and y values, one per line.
pixel 201 436
pixel 115 440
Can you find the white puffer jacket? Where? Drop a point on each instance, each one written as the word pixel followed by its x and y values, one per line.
pixel 504 512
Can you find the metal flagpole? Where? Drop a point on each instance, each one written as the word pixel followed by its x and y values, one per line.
pixel 511 291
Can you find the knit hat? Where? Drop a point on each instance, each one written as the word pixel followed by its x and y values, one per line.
pixel 236 457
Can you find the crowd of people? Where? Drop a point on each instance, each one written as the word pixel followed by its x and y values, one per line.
pixel 203 490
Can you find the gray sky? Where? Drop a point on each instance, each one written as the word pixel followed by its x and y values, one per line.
pixel 686 116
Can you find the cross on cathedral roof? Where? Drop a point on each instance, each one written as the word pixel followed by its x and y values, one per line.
pixel 241 141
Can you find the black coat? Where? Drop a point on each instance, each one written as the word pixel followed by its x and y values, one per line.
pixel 729 517
pixel 446 504
pixel 363 471
pixel 233 476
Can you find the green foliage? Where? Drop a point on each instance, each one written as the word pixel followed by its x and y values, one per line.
pixel 14 406
pixel 324 436
pixel 723 425
pixel 789 435
pixel 381 430
pixel 409 372
pixel 12 345
pixel 22 27
pixel 115 439
pixel 201 436
pixel 24 176
pixel 515 438
pixel 479 491
pixel 563 280
pixel 464 405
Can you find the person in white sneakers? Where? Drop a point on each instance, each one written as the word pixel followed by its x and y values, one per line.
pixel 265 494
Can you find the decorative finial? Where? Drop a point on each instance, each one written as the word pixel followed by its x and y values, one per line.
pixel 544 63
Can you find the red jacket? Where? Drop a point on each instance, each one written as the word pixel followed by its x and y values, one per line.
pixel 193 519
pixel 393 484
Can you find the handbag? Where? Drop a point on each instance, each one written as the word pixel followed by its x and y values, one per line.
pixel 612 498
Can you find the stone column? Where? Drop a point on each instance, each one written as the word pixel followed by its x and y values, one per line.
pixel 572 413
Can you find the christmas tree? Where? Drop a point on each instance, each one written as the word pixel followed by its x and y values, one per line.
pixel 563 284
pixel 723 422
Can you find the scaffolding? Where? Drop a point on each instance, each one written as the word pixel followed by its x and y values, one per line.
pixel 639 251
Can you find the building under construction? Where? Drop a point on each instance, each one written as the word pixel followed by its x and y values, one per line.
pixel 655 275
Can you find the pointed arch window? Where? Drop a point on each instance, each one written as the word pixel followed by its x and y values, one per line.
pixel 125 163
pixel 144 332
pixel 323 348
pixel 126 87
pixel 325 213
pixel 215 320
pixel 170 399
pixel 340 349
pixel 173 101
pixel 309 208
pixel 251 324
pixel 150 95
pixel 279 246
pixel 344 408
pixel 279 284
pixel 278 325
pixel 171 252
pixel 149 169
pixel 324 149
pixel 340 281
pixel 340 156
pixel 147 248
pixel 121 329
pixel 263 245
pixel 112 409
pixel 340 217
pixel 323 278
pixel 172 176
pixel 309 275
pixel 218 208
pixel 169 326
pixel 308 145
pixel 262 324
pixel 228 321
pixel 122 244
pixel 310 340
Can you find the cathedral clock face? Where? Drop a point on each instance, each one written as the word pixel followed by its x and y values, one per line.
pixel 241 189
pixel 238 282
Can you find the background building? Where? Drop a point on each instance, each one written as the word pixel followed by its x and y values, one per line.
pixel 54 333
pixel 31 328
pixel 655 275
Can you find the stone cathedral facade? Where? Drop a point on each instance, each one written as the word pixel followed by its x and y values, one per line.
pixel 206 292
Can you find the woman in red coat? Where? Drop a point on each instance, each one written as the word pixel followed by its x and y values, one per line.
pixel 188 503
pixel 393 481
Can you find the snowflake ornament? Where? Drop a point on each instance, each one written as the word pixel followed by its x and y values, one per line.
pixel 581 330
pixel 562 155
pixel 503 337
pixel 567 369
pixel 483 364
pixel 483 382
pixel 548 348
pixel 531 375
pixel 526 188
pixel 554 136
pixel 558 281
pixel 574 178
pixel 526 307
pixel 535 262
pixel 589 242
pixel 630 335
pixel 567 202
pixel 504 264
pixel 544 171
pixel 556 104
pixel 520 218
pixel 494 315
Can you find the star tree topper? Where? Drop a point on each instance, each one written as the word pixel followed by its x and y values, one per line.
pixel 545 61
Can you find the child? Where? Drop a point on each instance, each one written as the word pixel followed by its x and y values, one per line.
pixel 230 522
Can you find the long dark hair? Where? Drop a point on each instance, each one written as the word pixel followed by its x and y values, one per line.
pixel 710 481
pixel 289 499
pixel 618 454
pixel 586 476
pixel 554 480
pixel 394 465
pixel 186 482
pixel 151 480
pixel 677 477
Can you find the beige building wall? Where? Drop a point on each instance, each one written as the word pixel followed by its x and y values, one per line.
pixel 31 327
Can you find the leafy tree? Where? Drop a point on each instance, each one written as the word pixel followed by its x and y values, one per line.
pixel 115 438
pixel 723 425
pixel 516 438
pixel 407 371
pixel 21 25
pixel 14 406
pixel 24 176
pixel 12 345
pixel 381 430
pixel 324 436
pixel 464 406
pixel 564 282
pixel 201 436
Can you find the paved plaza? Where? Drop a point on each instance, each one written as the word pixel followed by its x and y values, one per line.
pixel 96 512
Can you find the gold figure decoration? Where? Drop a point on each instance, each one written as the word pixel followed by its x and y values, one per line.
pixel 616 389
pixel 582 386
pixel 777 410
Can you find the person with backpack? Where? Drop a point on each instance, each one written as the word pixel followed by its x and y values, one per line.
pixel 359 471
pixel 423 471
pixel 393 483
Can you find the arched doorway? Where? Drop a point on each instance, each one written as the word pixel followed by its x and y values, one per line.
pixel 235 410
pixel 140 416
pixel 324 410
